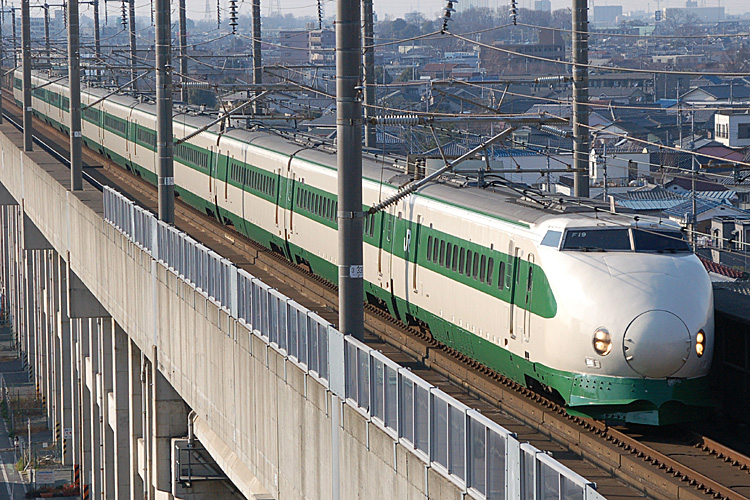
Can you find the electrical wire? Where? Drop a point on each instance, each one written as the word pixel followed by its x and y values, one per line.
pixel 595 66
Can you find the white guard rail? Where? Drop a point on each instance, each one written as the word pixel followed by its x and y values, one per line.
pixel 478 455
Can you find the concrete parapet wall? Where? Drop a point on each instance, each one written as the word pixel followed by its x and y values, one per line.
pixel 286 429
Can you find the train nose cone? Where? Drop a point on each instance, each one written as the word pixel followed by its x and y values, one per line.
pixel 656 344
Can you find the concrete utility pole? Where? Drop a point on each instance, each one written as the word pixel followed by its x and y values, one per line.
pixel 97 40
pixel 74 84
pixel 47 49
pixel 15 39
pixel 369 52
pixel 580 98
pixel 2 64
pixel 164 137
pixel 257 58
pixel 349 160
pixel 26 57
pixel 131 19
pixel 183 52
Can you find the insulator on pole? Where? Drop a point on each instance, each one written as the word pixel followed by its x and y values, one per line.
pixel 447 14
pixel 65 14
pixel 320 14
pixel 552 79
pixel 557 131
pixel 233 15
pixel 106 18
pixel 218 14
pixel 407 120
pixel 514 11
pixel 124 19
pixel 152 12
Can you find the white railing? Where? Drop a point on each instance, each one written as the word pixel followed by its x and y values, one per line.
pixel 477 454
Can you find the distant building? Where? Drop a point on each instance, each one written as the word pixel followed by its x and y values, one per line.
pixel 294 46
pixel 700 14
pixel 510 57
pixel 606 15
pixel 731 232
pixel 711 95
pixel 315 46
pixel 732 129
pixel 622 166
pixel 543 5
pixel 322 45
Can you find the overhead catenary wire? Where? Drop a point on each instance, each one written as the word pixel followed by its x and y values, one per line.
pixel 596 66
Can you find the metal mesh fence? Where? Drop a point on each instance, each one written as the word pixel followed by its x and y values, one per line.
pixel 476 453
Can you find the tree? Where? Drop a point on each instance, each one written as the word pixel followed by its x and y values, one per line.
pixel 202 97
pixel 382 76
pixel 407 75
pixel 737 60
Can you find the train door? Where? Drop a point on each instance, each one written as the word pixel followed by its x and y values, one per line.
pixel 526 314
pixel 514 270
pixel 231 200
pixel 100 126
pixel 132 146
pixel 385 248
pixel 213 180
pixel 411 246
pixel 287 209
pixel 244 207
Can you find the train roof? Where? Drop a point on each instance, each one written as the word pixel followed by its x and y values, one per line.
pixel 515 204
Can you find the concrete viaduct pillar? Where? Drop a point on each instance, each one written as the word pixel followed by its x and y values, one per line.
pixel 88 315
pixel 64 374
pixel 137 409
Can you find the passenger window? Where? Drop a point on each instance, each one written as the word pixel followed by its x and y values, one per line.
pixel 461 261
pixel 501 275
pixel 475 270
pixel 490 270
pixel 455 257
pixel 482 268
pixel 429 248
pixel 448 250
pixel 442 252
pixel 467 269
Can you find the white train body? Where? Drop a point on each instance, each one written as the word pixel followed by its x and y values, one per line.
pixel 648 301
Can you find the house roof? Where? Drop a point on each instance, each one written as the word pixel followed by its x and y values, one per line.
pixel 702 205
pixel 700 184
pixel 664 199
pixel 723 91
pixel 721 269
pixel 656 198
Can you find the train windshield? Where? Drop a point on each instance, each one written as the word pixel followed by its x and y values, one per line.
pixel 659 241
pixel 597 240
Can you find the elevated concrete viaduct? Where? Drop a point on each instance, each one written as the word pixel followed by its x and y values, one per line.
pixel 160 392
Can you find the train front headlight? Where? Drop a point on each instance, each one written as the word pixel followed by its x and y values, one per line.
pixel 700 343
pixel 602 342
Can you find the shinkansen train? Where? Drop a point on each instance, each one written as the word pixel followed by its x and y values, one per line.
pixel 612 314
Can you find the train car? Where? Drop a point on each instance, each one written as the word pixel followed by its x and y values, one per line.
pixel 611 313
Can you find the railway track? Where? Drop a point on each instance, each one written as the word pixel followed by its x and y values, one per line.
pixel 629 464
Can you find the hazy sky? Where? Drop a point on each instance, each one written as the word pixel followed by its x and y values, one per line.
pixel 397 8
